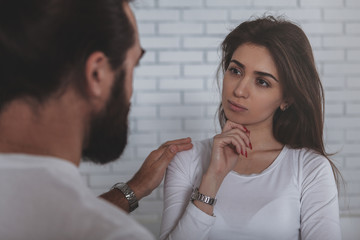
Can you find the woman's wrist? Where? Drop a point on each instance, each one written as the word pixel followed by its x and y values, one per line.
pixel 210 184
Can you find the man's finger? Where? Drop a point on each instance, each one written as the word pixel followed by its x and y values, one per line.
pixel 183 147
pixel 184 144
pixel 177 141
pixel 170 152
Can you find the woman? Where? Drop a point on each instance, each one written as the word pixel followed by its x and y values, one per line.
pixel 266 175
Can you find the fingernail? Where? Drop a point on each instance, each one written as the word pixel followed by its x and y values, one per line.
pixel 241 152
pixel 247 130
pixel 250 146
pixel 172 149
pixel 245 153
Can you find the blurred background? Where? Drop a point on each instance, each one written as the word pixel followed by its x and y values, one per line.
pixel 176 94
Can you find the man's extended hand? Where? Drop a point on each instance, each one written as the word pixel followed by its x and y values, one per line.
pixel 151 173
pixel 153 169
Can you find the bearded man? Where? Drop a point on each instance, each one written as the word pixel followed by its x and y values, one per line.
pixel 66 74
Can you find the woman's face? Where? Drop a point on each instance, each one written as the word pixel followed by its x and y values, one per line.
pixel 251 88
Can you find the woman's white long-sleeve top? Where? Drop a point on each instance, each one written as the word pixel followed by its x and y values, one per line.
pixel 294 198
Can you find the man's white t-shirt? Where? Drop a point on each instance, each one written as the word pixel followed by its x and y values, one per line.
pixel 294 198
pixel 46 198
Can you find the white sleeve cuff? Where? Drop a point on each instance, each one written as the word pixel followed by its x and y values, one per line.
pixel 199 215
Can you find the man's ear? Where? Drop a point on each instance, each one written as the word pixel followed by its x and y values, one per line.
pixel 99 75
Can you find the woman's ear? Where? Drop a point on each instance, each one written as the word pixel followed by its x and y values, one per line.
pixel 99 75
pixel 285 105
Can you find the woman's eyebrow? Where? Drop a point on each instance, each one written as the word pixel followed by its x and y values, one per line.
pixel 257 72
pixel 238 63
pixel 266 75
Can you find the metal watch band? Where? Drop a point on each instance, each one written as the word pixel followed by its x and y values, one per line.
pixel 129 195
pixel 196 195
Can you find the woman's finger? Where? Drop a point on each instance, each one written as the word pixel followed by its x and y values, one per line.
pixel 231 125
pixel 243 136
pixel 231 140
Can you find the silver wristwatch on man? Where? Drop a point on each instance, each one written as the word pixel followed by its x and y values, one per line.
pixel 128 193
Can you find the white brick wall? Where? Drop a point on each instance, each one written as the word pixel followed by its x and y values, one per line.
pixel 175 95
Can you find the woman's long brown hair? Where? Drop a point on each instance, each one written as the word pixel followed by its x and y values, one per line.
pixel 301 125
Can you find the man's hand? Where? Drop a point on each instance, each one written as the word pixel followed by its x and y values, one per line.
pixel 150 174
pixel 153 169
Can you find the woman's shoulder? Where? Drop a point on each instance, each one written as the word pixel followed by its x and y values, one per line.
pixel 199 155
pixel 309 161
pixel 306 155
pixel 200 148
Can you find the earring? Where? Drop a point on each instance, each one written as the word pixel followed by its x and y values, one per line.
pixel 284 108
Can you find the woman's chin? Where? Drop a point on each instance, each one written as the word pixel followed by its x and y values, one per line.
pixel 237 121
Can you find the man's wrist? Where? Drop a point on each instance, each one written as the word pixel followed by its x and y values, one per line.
pixel 136 188
pixel 129 194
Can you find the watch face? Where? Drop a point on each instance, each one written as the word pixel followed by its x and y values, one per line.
pixel 194 194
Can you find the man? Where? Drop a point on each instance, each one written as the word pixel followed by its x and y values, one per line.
pixel 66 71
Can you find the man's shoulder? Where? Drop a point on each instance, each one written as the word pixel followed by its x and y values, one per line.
pixel 110 222
pixel 65 208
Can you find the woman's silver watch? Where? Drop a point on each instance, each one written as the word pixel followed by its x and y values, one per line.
pixel 128 193
pixel 196 195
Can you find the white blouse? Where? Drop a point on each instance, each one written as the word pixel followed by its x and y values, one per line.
pixel 294 198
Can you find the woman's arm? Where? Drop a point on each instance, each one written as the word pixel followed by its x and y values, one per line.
pixel 181 219
pixel 185 220
pixel 319 202
pixel 227 146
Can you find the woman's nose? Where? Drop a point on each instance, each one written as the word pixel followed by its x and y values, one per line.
pixel 242 88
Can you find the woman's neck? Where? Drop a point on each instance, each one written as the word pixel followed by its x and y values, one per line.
pixel 265 149
pixel 262 138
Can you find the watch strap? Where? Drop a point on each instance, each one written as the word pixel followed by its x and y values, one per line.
pixel 128 193
pixel 196 195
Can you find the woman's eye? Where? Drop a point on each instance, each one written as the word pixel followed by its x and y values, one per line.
pixel 263 83
pixel 234 71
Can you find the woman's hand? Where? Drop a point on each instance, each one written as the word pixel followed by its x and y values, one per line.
pixel 227 147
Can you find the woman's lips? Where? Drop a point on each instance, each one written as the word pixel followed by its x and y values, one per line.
pixel 236 107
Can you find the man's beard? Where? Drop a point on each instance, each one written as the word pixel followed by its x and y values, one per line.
pixel 108 129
